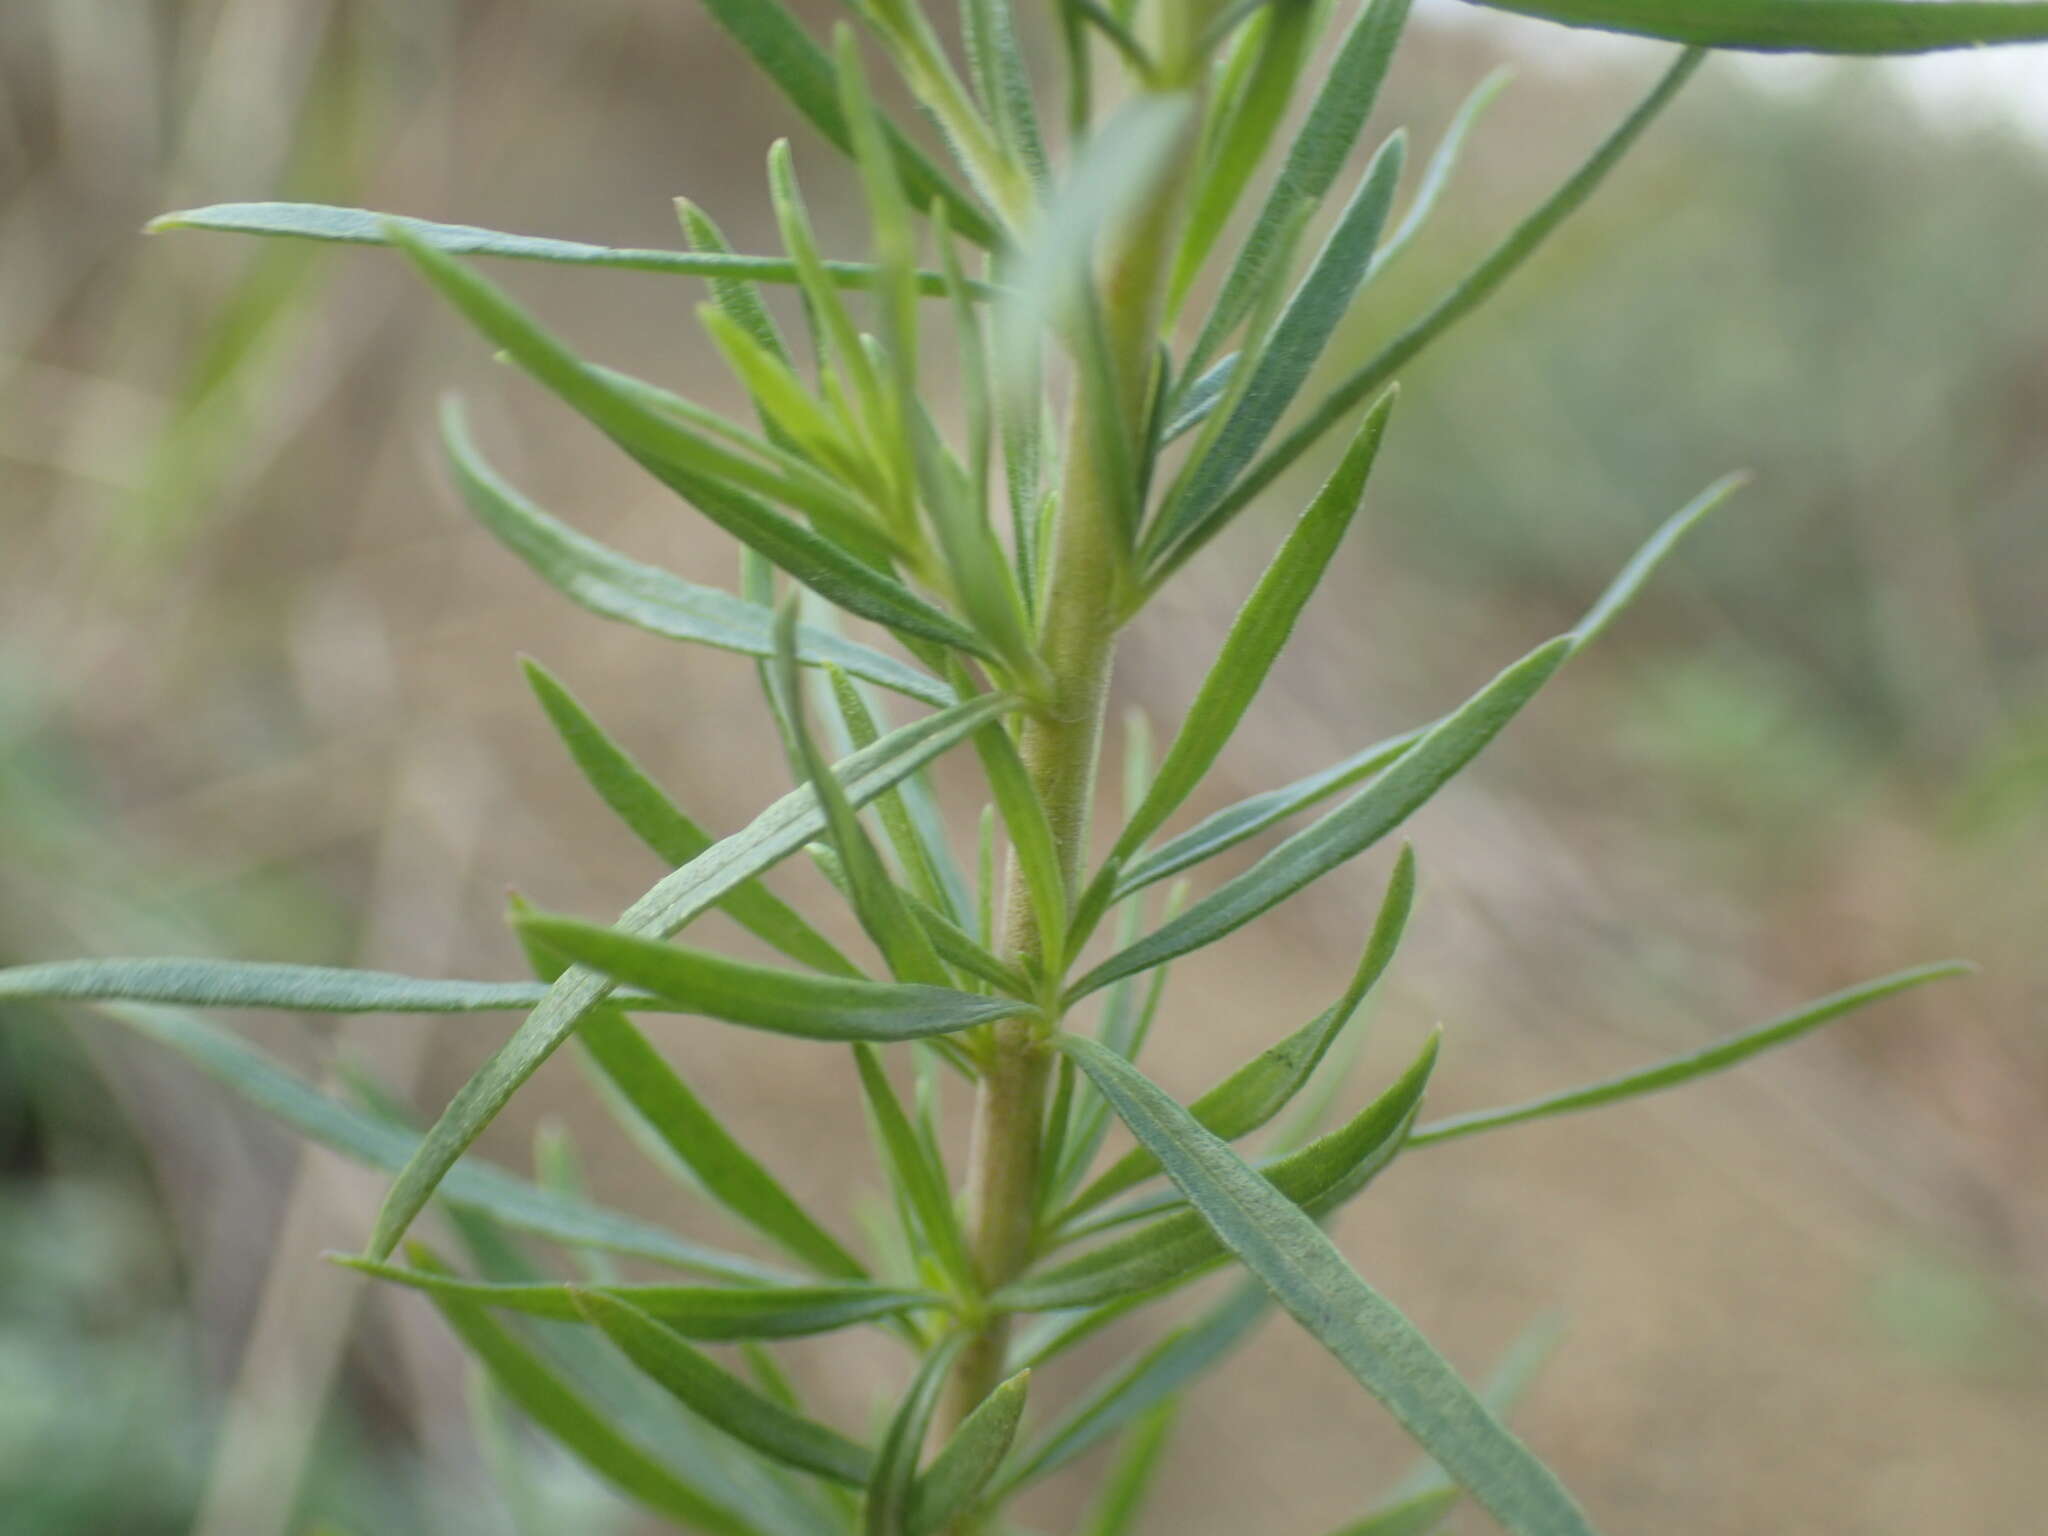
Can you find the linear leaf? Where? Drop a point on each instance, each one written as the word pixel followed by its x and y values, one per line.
pixel 1130 1477
pixel 1248 817
pixel 729 1173
pixel 919 842
pixel 1263 1086
pixel 711 1313
pixel 664 448
pixel 261 984
pixel 1351 828
pixel 1182 1357
pixel 802 72
pixel 471 1185
pixel 1283 1246
pixel 1334 121
pixel 360 226
pixel 895 1478
pixel 773 835
pixel 721 1398
pixel 1801 26
pixel 1683 1069
pixel 1436 176
pixel 673 836
pixel 916 1177
pixel 1258 633
pixel 1179 1246
pixel 549 1400
pixel 1416 1515
pixel 1199 398
pixel 608 583
pixel 964 1465
pixel 1470 292
pixel 761 997
pixel 876 900
pixel 1245 133
pixel 1304 328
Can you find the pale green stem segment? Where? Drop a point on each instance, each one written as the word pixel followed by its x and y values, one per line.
pixel 1087 596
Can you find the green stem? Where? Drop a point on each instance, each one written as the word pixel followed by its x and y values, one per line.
pixel 1086 598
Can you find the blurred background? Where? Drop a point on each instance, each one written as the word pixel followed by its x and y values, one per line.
pixel 258 698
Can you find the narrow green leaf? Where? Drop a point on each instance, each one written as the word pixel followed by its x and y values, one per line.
pixel 760 997
pixel 778 44
pixel 721 1398
pixel 261 984
pixel 1263 1086
pixel 711 1313
pixel 965 1464
pixel 1130 1477
pixel 1199 398
pixel 1258 633
pixel 1470 291
pixel 1252 815
pixel 919 843
pixel 471 1185
pixel 727 1171
pixel 1417 1515
pixel 1184 1356
pixel 737 298
pixel 916 1177
pixel 658 443
pixel 1315 159
pixel 1643 564
pixel 1351 828
pixel 894 1483
pixel 1284 1247
pixel 549 1400
pixel 1802 26
pixel 607 583
pixel 662 825
pixel 1303 330
pixel 773 835
pixel 1031 838
pixel 1003 80
pixel 1252 117
pixel 359 226
pixel 1436 176
pixel 1683 1069
pixel 1182 1244
pixel 876 900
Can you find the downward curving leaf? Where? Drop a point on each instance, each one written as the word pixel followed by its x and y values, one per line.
pixel 1285 1248
pixel 471 1185
pixel 666 450
pixel 1683 1069
pixel 360 226
pixel 711 1313
pixel 948 1487
pixel 761 997
pixel 1804 26
pixel 662 825
pixel 1318 1178
pixel 550 1401
pixel 721 1398
pixel 1263 1086
pixel 692 890
pixel 1350 829
pixel 607 583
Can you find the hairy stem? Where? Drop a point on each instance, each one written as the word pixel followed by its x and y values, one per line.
pixel 1085 598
